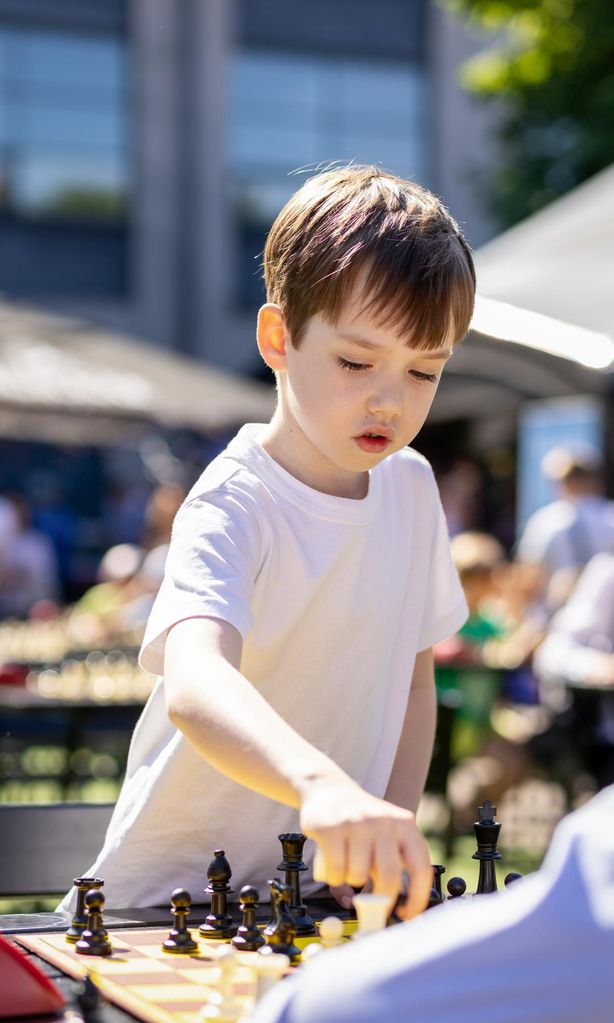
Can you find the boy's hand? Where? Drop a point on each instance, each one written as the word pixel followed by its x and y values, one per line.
pixel 361 837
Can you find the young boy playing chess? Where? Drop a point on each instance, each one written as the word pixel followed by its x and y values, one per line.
pixel 309 574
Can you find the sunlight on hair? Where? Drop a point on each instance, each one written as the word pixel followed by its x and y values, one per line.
pixel 521 326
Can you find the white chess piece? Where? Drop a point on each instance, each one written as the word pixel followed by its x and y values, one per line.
pixel 268 969
pixel 226 1008
pixel 331 935
pixel 372 913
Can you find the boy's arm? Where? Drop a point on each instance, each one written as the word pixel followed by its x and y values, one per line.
pixel 415 747
pixel 233 727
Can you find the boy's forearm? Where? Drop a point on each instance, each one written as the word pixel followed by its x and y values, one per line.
pixel 411 765
pixel 232 727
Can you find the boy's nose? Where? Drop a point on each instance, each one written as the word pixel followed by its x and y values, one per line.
pixel 386 400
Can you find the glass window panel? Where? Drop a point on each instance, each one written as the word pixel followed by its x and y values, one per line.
pixel 70 186
pixel 52 58
pixel 42 122
pixel 268 78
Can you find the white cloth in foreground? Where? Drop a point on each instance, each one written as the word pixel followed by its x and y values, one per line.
pixel 539 952
pixel 333 598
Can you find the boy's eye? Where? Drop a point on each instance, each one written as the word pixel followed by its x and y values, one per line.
pixel 352 366
pixel 430 378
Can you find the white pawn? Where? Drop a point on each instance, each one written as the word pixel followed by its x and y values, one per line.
pixel 226 1008
pixel 331 936
pixel 372 913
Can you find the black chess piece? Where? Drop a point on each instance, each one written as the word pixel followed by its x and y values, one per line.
pixel 486 830
pixel 456 888
pixel 249 936
pixel 280 932
pixel 435 899
pixel 438 871
pixel 94 940
pixel 292 865
pixel 79 920
pixel 218 924
pixel 88 999
pixel 180 941
pixel 510 878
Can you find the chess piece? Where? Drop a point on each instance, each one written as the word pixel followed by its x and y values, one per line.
pixel 486 830
pixel 87 997
pixel 248 937
pixel 292 865
pixel 280 932
pixel 79 920
pixel 434 899
pixel 180 940
pixel 94 940
pixel 269 969
pixel 372 913
pixel 456 888
pixel 226 1008
pixel 510 878
pixel 438 871
pixel 331 936
pixel 218 924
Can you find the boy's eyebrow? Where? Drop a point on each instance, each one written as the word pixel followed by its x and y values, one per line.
pixel 362 342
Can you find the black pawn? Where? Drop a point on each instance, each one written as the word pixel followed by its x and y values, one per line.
pixel 456 888
pixel 292 865
pixel 180 940
pixel 94 940
pixel 79 920
pixel 510 878
pixel 248 937
pixel 280 932
pixel 218 924
pixel 486 830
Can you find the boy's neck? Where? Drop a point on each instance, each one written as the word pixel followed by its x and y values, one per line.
pixel 290 449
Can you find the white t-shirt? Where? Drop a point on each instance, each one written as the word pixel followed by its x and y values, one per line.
pixel 333 598
pixel 538 952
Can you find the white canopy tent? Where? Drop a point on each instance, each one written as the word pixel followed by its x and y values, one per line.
pixel 560 261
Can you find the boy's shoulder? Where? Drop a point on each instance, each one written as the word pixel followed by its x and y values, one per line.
pixel 410 466
pixel 236 467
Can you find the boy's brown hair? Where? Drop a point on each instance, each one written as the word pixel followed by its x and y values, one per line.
pixel 419 270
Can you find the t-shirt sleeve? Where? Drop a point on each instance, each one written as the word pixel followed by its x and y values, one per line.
pixel 210 570
pixel 445 607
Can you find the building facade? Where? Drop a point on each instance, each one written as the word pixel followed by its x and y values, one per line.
pixel 146 145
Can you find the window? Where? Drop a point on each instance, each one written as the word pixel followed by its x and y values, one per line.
pixel 292 113
pixel 63 161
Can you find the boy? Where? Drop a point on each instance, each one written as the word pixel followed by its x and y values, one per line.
pixel 309 573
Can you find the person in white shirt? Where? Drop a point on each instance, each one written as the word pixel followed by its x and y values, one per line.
pixel 539 951
pixel 309 574
pixel 562 537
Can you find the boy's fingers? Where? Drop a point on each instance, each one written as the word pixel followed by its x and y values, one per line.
pixel 387 868
pixel 417 861
pixel 359 862
pixel 330 861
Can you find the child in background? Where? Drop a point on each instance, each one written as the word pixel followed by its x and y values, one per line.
pixel 462 666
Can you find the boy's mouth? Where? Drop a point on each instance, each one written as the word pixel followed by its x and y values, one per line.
pixel 373 443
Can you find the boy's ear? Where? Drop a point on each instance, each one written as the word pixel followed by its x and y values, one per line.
pixel 272 336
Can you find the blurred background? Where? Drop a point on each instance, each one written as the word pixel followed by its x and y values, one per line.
pixel 145 148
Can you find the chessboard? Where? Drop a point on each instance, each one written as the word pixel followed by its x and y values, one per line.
pixel 156 987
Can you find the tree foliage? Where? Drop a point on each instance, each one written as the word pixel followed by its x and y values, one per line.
pixel 550 69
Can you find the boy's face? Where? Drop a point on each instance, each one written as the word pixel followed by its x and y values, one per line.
pixel 349 396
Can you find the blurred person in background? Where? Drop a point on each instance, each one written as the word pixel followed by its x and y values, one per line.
pixel 488 664
pixel 562 537
pixel 29 566
pixel 576 666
